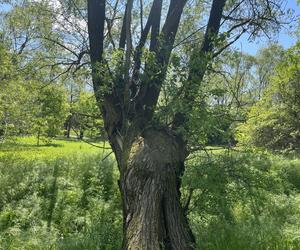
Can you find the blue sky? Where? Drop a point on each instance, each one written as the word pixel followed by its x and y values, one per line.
pixel 285 38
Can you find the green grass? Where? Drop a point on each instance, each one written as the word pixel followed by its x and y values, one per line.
pixel 60 196
pixel 64 196
pixel 26 147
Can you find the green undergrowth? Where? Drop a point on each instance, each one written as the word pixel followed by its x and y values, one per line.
pixel 244 200
pixel 59 196
pixel 64 196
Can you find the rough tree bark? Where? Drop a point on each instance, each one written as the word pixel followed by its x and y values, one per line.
pixel 154 218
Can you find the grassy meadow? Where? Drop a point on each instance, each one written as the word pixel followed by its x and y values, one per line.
pixel 27 148
pixel 64 195
pixel 58 196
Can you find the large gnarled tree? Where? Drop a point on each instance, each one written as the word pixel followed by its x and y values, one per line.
pixel 150 155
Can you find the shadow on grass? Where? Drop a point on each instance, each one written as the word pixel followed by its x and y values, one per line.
pixel 76 139
pixel 24 147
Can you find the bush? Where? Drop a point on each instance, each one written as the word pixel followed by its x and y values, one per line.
pixel 239 201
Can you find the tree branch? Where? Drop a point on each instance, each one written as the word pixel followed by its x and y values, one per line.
pixel 156 8
pixel 149 92
pixel 199 61
pixel 96 22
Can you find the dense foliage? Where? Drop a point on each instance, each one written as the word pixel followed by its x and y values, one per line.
pixel 273 122
pixel 61 200
pixel 55 198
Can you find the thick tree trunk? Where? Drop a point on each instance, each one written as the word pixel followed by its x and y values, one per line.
pixel 153 216
pixel 81 134
pixel 69 126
